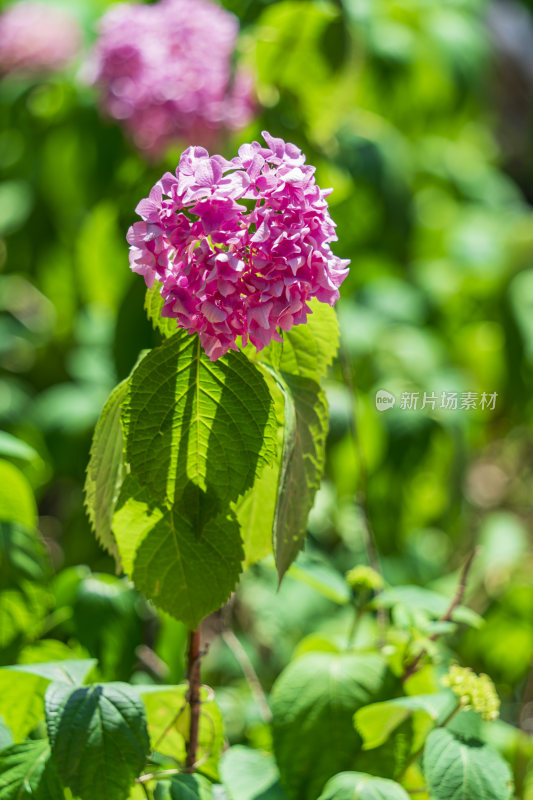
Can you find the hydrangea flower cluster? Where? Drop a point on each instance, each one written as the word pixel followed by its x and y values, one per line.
pixel 36 37
pixel 474 691
pixel 239 246
pixel 165 72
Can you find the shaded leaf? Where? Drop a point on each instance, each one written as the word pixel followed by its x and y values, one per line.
pixel 359 786
pixel 98 738
pixel 457 768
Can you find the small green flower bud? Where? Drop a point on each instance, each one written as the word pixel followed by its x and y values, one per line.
pixel 363 578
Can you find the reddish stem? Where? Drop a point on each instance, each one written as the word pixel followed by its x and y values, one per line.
pixel 193 675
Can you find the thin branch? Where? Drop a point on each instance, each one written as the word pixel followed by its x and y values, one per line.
pixel 171 724
pixel 456 601
pixel 193 675
pixel 150 776
pixel 249 673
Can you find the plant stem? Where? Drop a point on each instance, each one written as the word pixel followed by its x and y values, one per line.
pixel 193 676
pixel 456 601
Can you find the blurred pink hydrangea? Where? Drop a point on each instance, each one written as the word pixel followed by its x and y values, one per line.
pixel 231 268
pixel 165 72
pixel 37 37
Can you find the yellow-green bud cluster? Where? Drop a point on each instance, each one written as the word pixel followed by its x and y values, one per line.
pixel 363 578
pixel 474 691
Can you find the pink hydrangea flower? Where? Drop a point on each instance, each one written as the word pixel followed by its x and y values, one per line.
pixel 165 72
pixel 239 246
pixel 37 37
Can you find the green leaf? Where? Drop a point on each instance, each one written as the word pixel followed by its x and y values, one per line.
pixel 359 786
pixel 457 769
pixel 198 434
pixel 313 703
pixel 98 737
pixel 106 470
pixel 26 773
pixel 23 686
pixel 376 722
pixel 168 721
pixel 17 503
pixel 153 305
pixel 184 787
pixel 307 350
pixel 250 775
pixel 303 464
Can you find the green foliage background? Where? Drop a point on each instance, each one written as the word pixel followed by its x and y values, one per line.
pixel 415 112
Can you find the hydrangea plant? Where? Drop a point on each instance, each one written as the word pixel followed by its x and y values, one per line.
pixel 209 455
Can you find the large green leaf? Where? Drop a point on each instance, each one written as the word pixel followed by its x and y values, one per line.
pixel 168 721
pixel 250 775
pixel 23 686
pixel 98 737
pixel 105 470
pixel 359 786
pixel 197 436
pixel 464 769
pixel 17 503
pixel 26 773
pixel 313 703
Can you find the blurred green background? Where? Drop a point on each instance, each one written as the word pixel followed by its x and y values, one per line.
pixel 418 113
